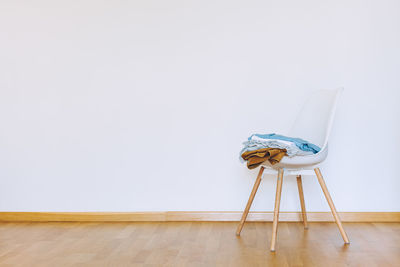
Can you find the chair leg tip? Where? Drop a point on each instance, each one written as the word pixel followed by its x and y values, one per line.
pixel 272 250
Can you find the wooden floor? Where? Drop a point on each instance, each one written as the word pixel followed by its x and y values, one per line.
pixel 197 244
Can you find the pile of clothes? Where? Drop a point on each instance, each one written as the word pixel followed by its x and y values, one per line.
pixel 273 147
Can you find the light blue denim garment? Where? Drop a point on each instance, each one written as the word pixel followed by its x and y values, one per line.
pixel 300 143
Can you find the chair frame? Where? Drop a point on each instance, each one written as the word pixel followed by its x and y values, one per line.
pixel 302 168
pixel 302 202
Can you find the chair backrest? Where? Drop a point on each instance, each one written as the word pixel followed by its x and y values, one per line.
pixel 314 122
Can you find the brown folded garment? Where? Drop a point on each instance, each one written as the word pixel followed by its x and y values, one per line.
pixel 256 157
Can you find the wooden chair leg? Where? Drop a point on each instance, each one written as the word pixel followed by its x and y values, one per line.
pixel 331 205
pixel 302 203
pixel 250 201
pixel 276 209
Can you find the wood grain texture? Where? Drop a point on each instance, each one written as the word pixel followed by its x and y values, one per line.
pixel 276 209
pixel 331 205
pixel 250 201
pixel 302 202
pixel 187 216
pixel 195 244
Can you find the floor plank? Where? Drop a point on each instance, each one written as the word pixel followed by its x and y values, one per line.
pixel 196 244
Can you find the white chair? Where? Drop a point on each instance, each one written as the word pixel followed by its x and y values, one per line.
pixel 313 124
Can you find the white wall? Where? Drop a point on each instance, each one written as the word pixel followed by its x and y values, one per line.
pixel 143 105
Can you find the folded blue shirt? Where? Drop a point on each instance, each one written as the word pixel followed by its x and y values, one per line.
pixel 300 143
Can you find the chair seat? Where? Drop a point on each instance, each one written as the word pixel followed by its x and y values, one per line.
pixel 299 162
